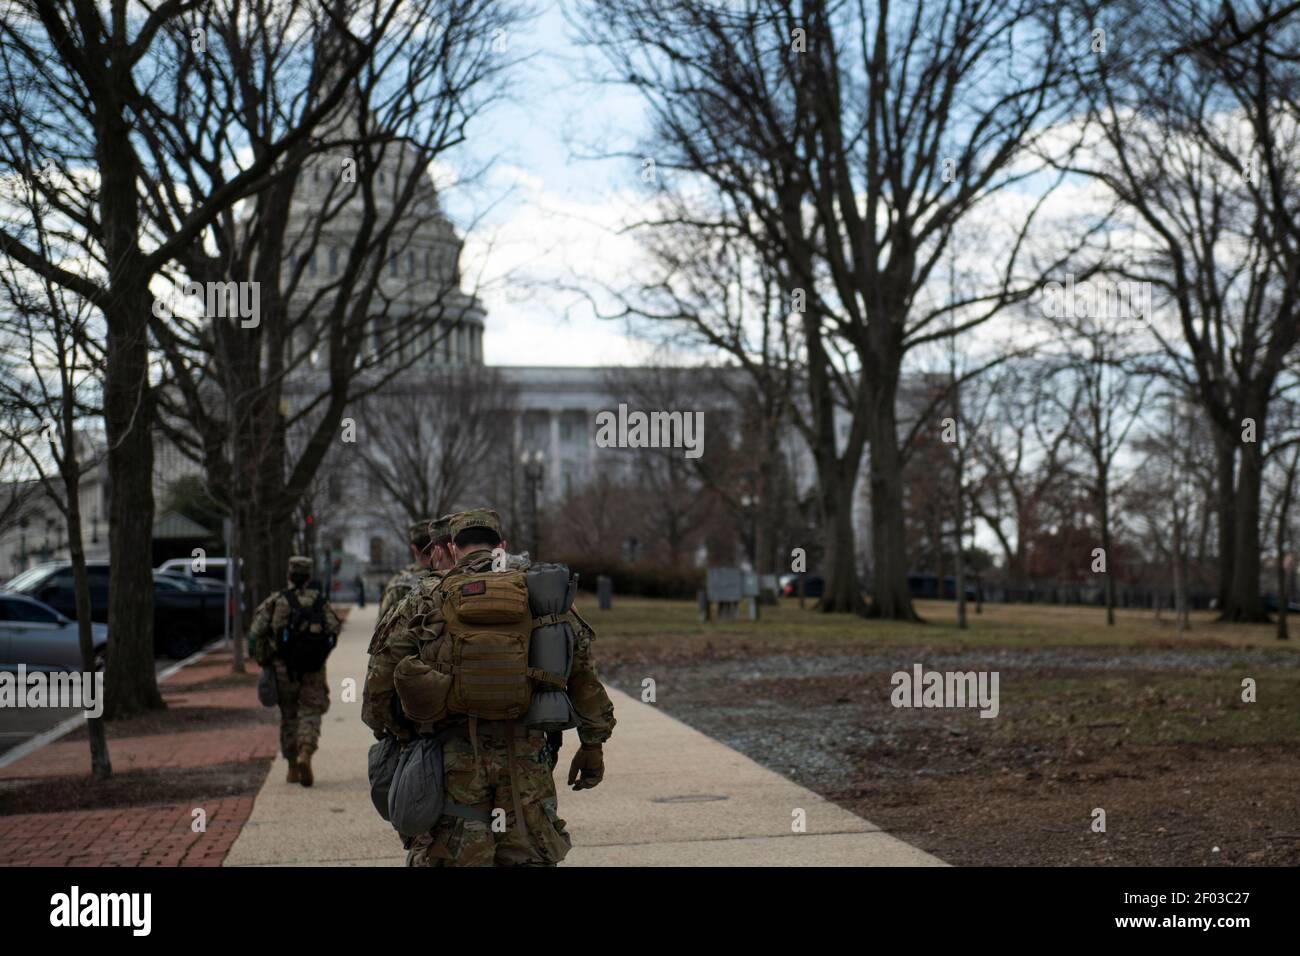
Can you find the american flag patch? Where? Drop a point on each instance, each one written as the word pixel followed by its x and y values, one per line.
pixel 474 587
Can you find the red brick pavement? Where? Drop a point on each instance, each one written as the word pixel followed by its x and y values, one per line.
pixel 154 835
pixel 125 836
pixel 200 748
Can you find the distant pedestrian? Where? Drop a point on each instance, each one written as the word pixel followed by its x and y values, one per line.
pixel 361 591
pixel 293 632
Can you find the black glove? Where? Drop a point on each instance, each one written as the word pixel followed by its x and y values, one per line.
pixel 588 767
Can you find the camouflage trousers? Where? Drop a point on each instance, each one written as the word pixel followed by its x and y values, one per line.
pixel 485 785
pixel 302 703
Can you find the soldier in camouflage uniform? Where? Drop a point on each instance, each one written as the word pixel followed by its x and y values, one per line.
pixel 478 773
pixel 304 700
pixel 438 556
pixel 421 546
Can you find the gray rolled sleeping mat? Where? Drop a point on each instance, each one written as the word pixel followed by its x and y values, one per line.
pixel 551 591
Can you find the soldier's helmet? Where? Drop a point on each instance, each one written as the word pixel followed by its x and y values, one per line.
pixel 418 534
pixel 299 566
pixel 440 530
pixel 475 518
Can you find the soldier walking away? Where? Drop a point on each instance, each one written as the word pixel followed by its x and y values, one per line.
pixel 421 547
pixel 293 632
pixel 499 792
pixel 436 560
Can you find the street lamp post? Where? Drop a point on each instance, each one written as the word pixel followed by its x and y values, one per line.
pixel 534 472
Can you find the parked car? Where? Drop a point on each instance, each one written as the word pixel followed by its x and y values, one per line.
pixel 813 587
pixel 213 575
pixel 36 635
pixel 185 615
pixel 1270 604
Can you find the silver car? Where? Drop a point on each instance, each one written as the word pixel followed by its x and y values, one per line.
pixel 35 634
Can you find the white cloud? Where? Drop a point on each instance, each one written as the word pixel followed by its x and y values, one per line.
pixel 538 269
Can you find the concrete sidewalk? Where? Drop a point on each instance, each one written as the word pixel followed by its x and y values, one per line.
pixel 671 797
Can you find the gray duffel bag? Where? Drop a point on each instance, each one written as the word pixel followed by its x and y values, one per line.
pixel 384 755
pixel 416 796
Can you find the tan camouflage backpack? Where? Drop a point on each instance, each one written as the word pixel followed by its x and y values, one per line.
pixel 480 667
pixel 485 643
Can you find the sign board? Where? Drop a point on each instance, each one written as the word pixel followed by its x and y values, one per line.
pixel 726 585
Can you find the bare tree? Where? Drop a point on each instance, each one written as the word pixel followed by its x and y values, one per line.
pixel 720 295
pixel 1163 503
pixel 351 290
pixel 846 143
pixel 51 367
pixel 1108 386
pixel 429 443
pixel 1283 537
pixel 1203 150
pixel 82 90
pixel 1019 457
pixel 15 492
pixel 1283 455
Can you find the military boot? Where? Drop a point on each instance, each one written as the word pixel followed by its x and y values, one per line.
pixel 293 770
pixel 303 767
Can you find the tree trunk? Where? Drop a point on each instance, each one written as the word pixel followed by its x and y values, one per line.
pixel 100 765
pixel 836 473
pixel 1283 577
pixel 265 551
pixel 262 512
pixel 959 491
pixel 890 598
pixel 1180 584
pixel 132 686
pixel 1283 595
pixel 1104 516
pixel 841 594
pixel 1244 601
pixel 1225 487
pixel 234 595
pixel 765 559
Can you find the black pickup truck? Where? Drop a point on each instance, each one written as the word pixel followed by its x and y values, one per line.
pixel 185 615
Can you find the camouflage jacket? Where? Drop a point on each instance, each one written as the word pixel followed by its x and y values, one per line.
pixel 398 586
pixel 418 617
pixel 272 617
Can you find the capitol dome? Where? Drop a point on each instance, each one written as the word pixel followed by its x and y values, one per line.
pixel 419 282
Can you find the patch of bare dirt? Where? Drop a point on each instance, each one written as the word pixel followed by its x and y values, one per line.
pixel 178 719
pixel 1155 736
pixel 132 788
